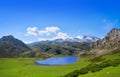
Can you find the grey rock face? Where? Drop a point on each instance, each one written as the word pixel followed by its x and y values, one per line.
pixel 112 39
pixel 110 42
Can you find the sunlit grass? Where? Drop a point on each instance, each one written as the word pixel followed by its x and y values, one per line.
pixel 25 67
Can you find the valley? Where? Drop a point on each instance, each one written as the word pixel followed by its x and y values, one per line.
pixel 25 67
pixel 18 59
pixel 59 38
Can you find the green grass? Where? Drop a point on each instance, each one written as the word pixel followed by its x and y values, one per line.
pixel 98 64
pixel 106 72
pixel 25 67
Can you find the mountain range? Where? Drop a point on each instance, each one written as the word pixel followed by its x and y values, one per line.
pixel 12 47
pixel 80 39
pixel 69 46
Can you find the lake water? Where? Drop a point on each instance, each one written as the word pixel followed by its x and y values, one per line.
pixel 57 61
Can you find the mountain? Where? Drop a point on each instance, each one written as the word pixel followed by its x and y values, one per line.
pixel 108 44
pixel 87 39
pixel 60 47
pixel 63 48
pixel 12 47
pixel 69 46
pixel 81 39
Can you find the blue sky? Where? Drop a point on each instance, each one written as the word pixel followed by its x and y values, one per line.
pixel 33 20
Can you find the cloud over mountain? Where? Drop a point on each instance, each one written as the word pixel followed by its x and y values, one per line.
pixel 61 35
pixel 52 31
pixel 33 31
pixel 49 30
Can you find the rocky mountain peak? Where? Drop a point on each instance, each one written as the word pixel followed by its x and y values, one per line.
pixel 11 40
pixel 12 47
pixel 9 36
pixel 110 42
pixel 114 34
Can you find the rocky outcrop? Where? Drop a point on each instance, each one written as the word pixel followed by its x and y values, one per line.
pixel 12 47
pixel 109 43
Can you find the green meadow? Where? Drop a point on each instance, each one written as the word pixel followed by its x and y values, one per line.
pixel 25 67
pixel 111 71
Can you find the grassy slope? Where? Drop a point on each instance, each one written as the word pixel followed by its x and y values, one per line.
pixel 106 72
pixel 26 68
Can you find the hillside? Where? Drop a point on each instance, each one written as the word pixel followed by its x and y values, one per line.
pixel 25 67
pixel 106 65
pixel 63 48
pixel 68 46
pixel 108 44
pixel 105 58
pixel 90 65
pixel 12 47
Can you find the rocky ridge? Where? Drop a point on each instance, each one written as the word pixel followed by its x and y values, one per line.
pixel 12 47
pixel 108 44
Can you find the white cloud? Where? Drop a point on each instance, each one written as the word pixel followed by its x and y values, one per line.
pixel 49 30
pixel 48 33
pixel 32 31
pixel 42 39
pixel 80 37
pixel 28 42
pixel 61 35
pixel 52 29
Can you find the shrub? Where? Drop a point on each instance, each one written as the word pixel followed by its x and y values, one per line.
pixel 84 71
pixel 93 67
pixel 115 62
pixel 97 59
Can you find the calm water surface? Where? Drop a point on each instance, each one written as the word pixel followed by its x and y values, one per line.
pixel 57 61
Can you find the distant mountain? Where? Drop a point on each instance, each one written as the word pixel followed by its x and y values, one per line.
pixel 63 48
pixel 81 39
pixel 10 39
pixel 69 46
pixel 108 44
pixel 12 47
pixel 87 39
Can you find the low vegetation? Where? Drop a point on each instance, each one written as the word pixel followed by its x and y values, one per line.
pixel 64 48
pixel 97 64
pixel 87 66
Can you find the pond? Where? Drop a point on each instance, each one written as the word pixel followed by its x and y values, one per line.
pixel 57 61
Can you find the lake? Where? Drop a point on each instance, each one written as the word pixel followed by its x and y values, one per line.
pixel 57 61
